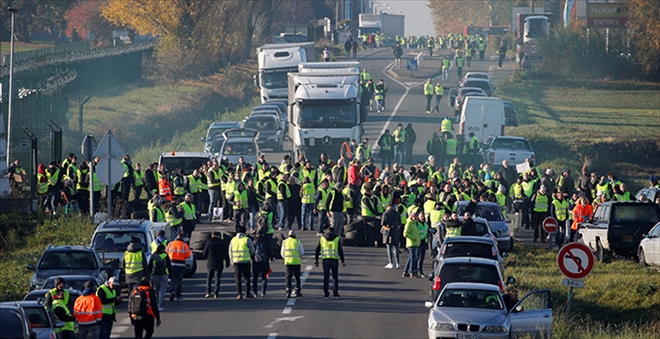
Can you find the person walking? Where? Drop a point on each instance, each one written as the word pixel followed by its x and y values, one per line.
pixel 329 248
pixel 354 46
pixel 540 205
pixel 292 251
pixel 398 53
pixel 445 68
pixel 143 319
pixel 460 62
pixel 326 54
pixel 109 301
pixel 439 91
pixel 134 263
pixel 381 87
pixel 335 207
pixel 241 250
pixel 428 93
pixel 260 267
pixel 411 137
pixel 215 252
pixel 411 233
pixel 160 267
pixel 386 144
pixel 391 221
pixel 179 252
pixel 88 312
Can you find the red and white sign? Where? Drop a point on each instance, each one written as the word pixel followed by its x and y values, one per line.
pixel 575 260
pixel 550 224
pixel 533 49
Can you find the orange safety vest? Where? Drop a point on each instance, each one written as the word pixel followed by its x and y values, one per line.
pixel 345 149
pixel 579 212
pixel 164 189
pixel 88 309
pixel 150 310
pixel 178 252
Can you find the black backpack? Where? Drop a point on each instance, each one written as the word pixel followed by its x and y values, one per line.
pixel 262 224
pixel 260 254
pixel 138 302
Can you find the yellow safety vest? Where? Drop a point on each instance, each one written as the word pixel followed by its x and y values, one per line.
pixel 287 192
pixel 194 184
pixel 139 178
pixel 270 186
pixel 110 294
pixel 348 202
pixel 308 192
pixel 428 88
pixel 453 231
pixel 452 147
pixel 213 178
pixel 133 261
pixel 240 251
pixel 561 209
pixel 42 187
pixel 169 217
pixel 324 197
pixel 68 325
pixel 445 126
pixel 399 136
pixel 242 199
pixel 366 212
pixel 329 248
pixel 291 253
pixel 541 203
pixel 188 211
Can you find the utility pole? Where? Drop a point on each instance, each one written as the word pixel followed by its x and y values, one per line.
pixel 11 85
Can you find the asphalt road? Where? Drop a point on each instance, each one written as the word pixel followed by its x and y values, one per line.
pixel 375 302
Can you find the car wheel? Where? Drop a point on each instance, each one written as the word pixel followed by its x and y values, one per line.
pixel 642 258
pixel 600 252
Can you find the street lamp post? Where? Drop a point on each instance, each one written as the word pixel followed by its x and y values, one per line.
pixel 11 85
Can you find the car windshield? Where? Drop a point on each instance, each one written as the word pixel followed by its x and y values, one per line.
pixel 471 299
pixel 466 91
pixel 116 241
pixel 337 115
pixel 468 249
pixel 480 84
pixel 261 124
pixel 239 148
pixel 476 229
pixel 518 144
pixel 78 285
pixel 12 324
pixel 477 76
pixel 187 164
pixel 216 146
pixel 488 212
pixel 37 317
pixel 469 272
pixel 635 213
pixel 83 260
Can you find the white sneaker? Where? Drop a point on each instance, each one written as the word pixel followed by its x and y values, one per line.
pixel 398 266
pixel 390 266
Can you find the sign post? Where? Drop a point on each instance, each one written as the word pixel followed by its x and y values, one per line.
pixel 88 148
pixel 550 225
pixel 575 261
pixel 110 170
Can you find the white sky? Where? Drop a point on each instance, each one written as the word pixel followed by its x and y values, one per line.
pixel 418 15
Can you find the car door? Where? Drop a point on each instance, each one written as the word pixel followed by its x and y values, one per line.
pixel 532 316
pixel 652 246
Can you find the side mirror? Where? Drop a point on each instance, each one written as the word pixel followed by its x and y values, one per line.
pixel 428 304
pixel 519 308
pixel 505 255
pixel 30 267
pixel 510 280
pixel 508 221
pixel 646 236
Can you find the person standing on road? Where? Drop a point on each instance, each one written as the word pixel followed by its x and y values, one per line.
pixel 260 267
pixel 386 153
pixel 561 213
pixel 241 250
pixel 411 233
pixel 109 301
pixel 398 53
pixel 501 54
pixel 134 263
pixel 423 230
pixel 179 252
pixel 460 62
pixel 239 201
pixel 439 92
pixel 411 137
pixel 189 215
pixel 145 322
pixel 283 196
pixel 435 148
pixel 329 248
pixel 160 267
pixel 320 207
pixel 428 93
pixel 445 68
pixel 61 311
pixel 215 252
pixel 381 87
pixel 392 220
pixel 88 312
pixel 335 207
pixel 292 251
pixel 540 205
pixel 399 143
pixel 481 47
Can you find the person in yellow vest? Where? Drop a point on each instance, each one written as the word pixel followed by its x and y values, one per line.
pixel 307 194
pixel 399 143
pixel 411 233
pixel 239 201
pixel 194 185
pixel 241 250
pixel 189 215
pixel 424 236
pixel 62 313
pixel 160 266
pixel 88 312
pixel 60 285
pixel 560 211
pixel 429 90
pixel 330 251
pixel 292 252
pixel 109 301
pixel 334 205
pixel 439 91
pixel 446 127
pixel 138 181
pixel 214 182
pixel 500 198
pixel 134 264
pixel 83 186
pixel 445 68
pixel 622 194
pixel 156 213
pixel 320 205
pixel 540 206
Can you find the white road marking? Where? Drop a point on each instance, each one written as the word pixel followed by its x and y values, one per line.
pixel 291 302
pixel 272 335
pixel 308 268
pixel 277 320
pixel 287 310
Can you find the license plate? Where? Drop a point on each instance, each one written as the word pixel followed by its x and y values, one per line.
pixel 627 238
pixel 467 336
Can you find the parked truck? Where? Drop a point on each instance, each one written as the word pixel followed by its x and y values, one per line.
pixel 324 108
pixel 531 28
pixel 390 24
pixel 274 62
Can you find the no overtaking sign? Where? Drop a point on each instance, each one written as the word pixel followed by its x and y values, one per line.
pixel 575 260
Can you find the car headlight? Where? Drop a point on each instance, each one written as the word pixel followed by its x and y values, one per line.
pixel 38 282
pixel 495 329
pixel 442 326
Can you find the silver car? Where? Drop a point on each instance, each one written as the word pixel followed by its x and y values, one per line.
pixel 498 223
pixel 649 247
pixel 478 311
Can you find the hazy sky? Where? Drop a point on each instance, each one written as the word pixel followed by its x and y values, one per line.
pixel 418 15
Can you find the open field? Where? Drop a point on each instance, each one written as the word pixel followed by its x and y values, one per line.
pixel 22 46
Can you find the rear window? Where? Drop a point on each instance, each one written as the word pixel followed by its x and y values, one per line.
pixel 518 144
pixel 116 241
pixel 84 260
pixel 480 84
pixel 479 229
pixel 187 164
pixel 463 272
pixel 240 148
pixel 635 213
pixel 469 249
pixel 37 317
pixel 217 132
pixel 261 124
pixel 490 213
pixel 12 325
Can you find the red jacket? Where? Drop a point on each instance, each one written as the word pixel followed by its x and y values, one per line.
pixel 354 177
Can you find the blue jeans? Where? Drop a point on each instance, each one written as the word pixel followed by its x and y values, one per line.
pixel 412 260
pixel 176 276
pixel 214 196
pixel 253 215
pixel 105 329
pixel 307 217
pixel 421 252
pixel 282 211
pixel 324 221
pixel 392 253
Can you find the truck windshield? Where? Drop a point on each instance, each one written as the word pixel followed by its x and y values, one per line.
pixel 276 78
pixel 327 114
pixel 536 28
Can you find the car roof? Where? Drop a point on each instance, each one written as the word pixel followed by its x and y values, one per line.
pixel 124 225
pixel 225 124
pixel 174 154
pixel 22 303
pixel 470 260
pixel 476 219
pixel 476 73
pixel 469 239
pixel 262 117
pixel 69 248
pixel 511 137
pixel 475 89
pixel 472 286
pixel 480 203
pixel 477 79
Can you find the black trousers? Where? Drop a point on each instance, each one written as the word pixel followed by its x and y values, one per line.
pixel 292 271
pixel 242 270
pixel 537 219
pixel 330 265
pixel 210 274
pixel 241 218
pixel 264 281
pixel 146 325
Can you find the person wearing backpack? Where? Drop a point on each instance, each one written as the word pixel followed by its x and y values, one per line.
pixel 160 266
pixel 142 311
pixel 265 230
pixel 260 267
pixel 215 251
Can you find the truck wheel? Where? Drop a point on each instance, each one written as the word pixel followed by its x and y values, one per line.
pixel 642 258
pixel 601 253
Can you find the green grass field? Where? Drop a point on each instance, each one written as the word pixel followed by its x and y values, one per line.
pixel 5 46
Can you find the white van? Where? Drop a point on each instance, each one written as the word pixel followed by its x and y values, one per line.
pixel 482 115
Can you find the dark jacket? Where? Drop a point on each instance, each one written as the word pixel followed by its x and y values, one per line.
pixel 156 269
pixel 336 204
pixel 411 136
pixel 329 237
pixel 215 251
pixel 391 218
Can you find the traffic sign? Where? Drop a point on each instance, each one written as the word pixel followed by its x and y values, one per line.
pixel 109 147
pixel 572 283
pixel 110 171
pixel 533 49
pixel 550 225
pixel 575 260
pixel 89 147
